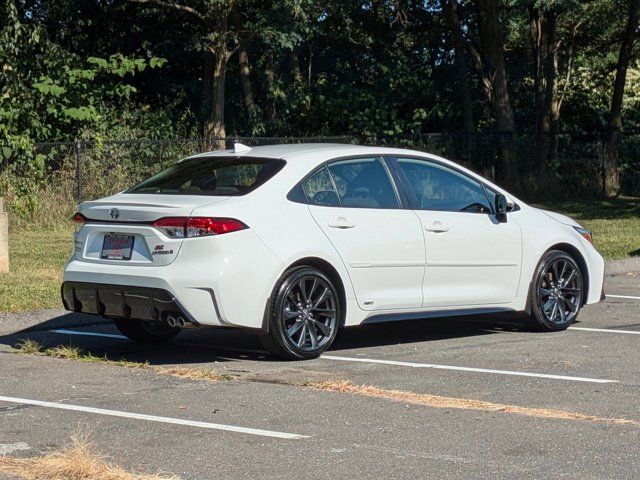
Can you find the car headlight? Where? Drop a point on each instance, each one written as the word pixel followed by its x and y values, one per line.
pixel 587 234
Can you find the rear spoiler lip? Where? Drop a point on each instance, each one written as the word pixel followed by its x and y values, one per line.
pixel 119 222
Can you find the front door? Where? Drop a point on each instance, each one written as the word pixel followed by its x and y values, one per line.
pixel 472 259
pixel 356 205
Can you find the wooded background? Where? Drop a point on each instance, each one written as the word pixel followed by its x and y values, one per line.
pixel 530 92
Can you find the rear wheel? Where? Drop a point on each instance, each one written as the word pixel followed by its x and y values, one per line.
pixel 304 316
pixel 146 332
pixel 556 292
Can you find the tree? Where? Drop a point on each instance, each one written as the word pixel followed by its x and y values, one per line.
pixel 611 174
pixel 450 10
pixel 494 64
pixel 218 43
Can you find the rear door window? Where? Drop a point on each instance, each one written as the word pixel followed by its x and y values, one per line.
pixel 363 183
pixel 320 190
pixel 217 176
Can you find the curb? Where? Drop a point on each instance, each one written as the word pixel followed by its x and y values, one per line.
pixel 622 266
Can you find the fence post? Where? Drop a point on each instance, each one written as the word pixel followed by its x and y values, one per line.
pixel 78 170
pixel 4 239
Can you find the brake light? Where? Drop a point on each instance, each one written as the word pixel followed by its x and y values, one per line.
pixel 190 227
pixel 78 221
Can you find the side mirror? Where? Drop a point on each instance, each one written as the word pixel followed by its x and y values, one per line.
pixel 501 208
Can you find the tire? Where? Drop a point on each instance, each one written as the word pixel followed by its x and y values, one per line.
pixel 304 315
pixel 556 292
pixel 146 332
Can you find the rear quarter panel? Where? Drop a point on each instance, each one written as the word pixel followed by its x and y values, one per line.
pixel 287 231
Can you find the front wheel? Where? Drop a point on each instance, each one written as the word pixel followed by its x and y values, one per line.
pixel 146 332
pixel 556 292
pixel 304 316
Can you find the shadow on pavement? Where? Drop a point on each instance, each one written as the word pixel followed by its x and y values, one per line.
pixel 227 345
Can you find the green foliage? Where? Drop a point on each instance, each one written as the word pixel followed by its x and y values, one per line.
pixel 384 71
pixel 50 93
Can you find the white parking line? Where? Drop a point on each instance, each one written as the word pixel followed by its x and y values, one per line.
pixel 7 448
pixel 467 369
pixel 605 330
pixel 622 296
pixel 152 418
pixel 186 344
pixel 89 334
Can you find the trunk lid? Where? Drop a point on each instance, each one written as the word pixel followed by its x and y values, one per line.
pixel 125 220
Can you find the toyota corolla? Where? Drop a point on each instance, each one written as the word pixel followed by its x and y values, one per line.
pixel 294 242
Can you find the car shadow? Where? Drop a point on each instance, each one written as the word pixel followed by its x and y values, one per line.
pixel 424 330
pixel 214 345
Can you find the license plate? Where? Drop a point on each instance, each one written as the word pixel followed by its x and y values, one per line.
pixel 117 247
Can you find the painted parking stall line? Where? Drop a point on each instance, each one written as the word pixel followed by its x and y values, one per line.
pixel 605 330
pixel 177 342
pixel 628 297
pixel 153 418
pixel 467 369
pixel 88 334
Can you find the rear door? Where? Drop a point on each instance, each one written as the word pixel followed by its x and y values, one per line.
pixel 355 203
pixel 472 259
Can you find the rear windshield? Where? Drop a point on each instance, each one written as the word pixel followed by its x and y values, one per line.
pixel 222 176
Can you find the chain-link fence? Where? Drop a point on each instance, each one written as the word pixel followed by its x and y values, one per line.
pixel 91 169
pixel 574 166
pixel 100 168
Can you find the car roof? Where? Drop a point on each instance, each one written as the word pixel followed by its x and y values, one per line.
pixel 289 151
pixel 308 155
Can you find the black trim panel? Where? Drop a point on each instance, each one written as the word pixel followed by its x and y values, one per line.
pixel 119 301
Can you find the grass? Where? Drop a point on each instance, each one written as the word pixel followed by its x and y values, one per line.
pixel 80 460
pixel 36 260
pixel 615 223
pixel 194 374
pixel 437 401
pixel 68 352
pixel 37 256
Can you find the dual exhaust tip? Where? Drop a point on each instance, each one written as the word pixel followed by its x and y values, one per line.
pixel 179 322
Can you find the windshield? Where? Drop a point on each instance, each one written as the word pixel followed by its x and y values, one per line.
pixel 222 176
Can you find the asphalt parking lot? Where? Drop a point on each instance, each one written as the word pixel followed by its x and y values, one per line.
pixel 268 423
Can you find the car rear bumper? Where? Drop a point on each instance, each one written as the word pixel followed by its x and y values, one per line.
pixel 222 280
pixel 121 301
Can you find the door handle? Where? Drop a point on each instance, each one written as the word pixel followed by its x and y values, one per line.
pixel 341 222
pixel 437 227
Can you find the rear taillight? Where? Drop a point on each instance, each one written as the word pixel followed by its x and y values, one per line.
pixel 189 227
pixel 78 221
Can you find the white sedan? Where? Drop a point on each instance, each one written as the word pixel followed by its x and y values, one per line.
pixel 294 242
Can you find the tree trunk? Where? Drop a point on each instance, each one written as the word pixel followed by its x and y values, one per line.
pixel 309 66
pixel 271 86
pixel 295 66
pixel 245 80
pixel 215 126
pixel 450 9
pixel 493 47
pixel 551 94
pixel 611 167
pixel 536 25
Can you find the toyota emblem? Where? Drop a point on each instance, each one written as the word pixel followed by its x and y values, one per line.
pixel 114 213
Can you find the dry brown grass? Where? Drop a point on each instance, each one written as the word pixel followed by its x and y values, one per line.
pixel 78 461
pixel 437 401
pixel 68 352
pixel 194 374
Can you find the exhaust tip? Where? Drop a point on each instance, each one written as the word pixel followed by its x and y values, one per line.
pixel 180 322
pixel 171 321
